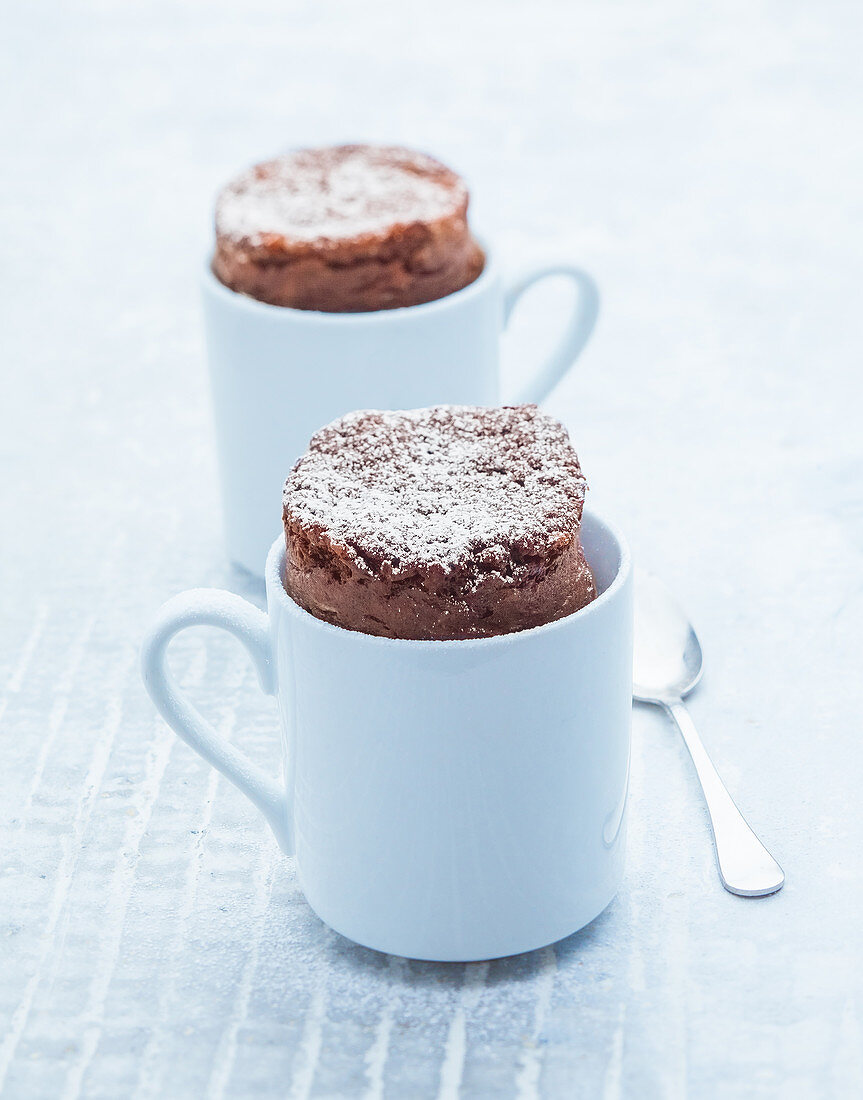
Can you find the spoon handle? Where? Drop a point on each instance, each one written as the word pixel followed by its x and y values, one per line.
pixel 745 865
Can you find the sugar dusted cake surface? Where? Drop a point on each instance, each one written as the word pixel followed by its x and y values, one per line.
pixel 449 486
pixel 348 228
pixel 451 521
pixel 337 194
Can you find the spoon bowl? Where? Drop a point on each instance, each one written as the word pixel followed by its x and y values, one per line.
pixel 667 658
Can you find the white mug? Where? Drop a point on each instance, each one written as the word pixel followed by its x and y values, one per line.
pixel 279 374
pixel 456 800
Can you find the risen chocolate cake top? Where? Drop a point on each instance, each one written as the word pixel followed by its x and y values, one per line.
pixel 493 490
pixel 336 194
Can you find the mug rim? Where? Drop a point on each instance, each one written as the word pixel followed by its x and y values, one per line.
pixel 215 286
pixel 273 579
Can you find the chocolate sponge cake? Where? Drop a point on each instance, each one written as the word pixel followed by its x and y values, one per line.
pixel 347 229
pixel 439 523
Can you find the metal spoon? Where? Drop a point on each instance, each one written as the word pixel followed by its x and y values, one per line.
pixel 667 666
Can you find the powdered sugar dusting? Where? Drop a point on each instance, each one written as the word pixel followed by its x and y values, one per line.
pixel 444 486
pixel 334 194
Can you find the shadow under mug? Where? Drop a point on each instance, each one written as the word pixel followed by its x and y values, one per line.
pixel 279 374
pixel 451 801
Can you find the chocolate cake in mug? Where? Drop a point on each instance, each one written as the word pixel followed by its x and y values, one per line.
pixel 346 229
pixel 440 523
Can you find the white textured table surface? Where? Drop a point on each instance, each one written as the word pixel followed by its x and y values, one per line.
pixel 705 162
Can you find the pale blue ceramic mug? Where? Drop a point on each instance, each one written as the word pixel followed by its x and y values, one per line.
pixel 279 374
pixel 453 800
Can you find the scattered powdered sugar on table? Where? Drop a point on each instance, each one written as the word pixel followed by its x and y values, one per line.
pixel 336 194
pixel 440 486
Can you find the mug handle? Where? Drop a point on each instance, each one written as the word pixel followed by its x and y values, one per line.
pixel 213 607
pixel 581 324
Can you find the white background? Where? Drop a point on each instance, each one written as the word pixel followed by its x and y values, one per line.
pixel 704 162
